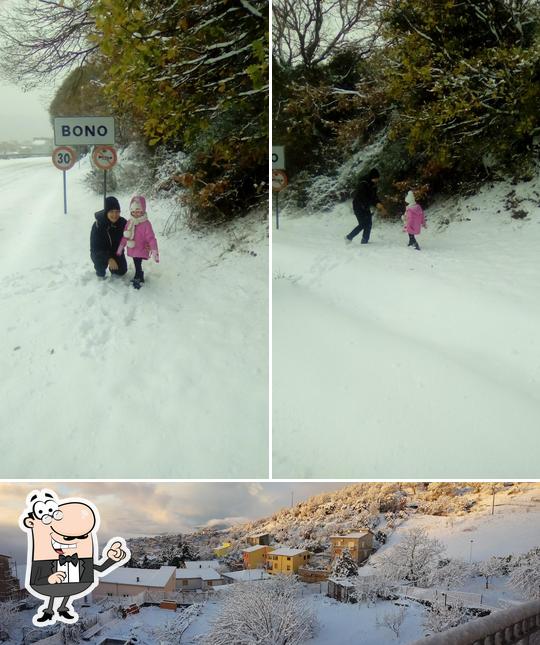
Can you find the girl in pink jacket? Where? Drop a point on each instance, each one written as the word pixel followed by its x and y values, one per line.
pixel 414 219
pixel 139 238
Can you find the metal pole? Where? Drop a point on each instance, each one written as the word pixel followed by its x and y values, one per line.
pixel 277 210
pixel 104 187
pixel 65 192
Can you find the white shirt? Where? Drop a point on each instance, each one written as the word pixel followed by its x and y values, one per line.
pixel 71 571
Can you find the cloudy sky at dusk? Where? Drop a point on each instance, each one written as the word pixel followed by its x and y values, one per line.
pixel 138 508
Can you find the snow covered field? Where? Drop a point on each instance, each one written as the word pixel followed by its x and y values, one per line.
pixel 170 381
pixel 393 363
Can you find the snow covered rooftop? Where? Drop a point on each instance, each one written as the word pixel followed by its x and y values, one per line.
pixel 356 534
pixel 288 552
pixel 257 547
pixel 143 577
pixel 247 575
pixel 201 564
pixel 203 574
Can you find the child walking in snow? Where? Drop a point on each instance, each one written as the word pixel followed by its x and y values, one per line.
pixel 139 238
pixel 414 219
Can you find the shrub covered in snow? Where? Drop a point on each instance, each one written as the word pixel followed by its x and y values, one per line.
pixel 267 613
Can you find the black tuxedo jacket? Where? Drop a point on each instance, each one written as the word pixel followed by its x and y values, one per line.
pixel 42 569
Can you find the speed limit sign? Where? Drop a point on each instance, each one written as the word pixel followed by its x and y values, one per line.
pixel 104 157
pixel 64 157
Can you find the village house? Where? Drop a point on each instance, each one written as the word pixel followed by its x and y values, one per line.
pixel 249 575
pixel 259 538
pixel 287 561
pixel 125 582
pixel 192 579
pixel 359 544
pixel 255 557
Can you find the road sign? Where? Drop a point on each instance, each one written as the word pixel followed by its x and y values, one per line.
pixel 278 157
pixel 104 157
pixel 64 157
pixel 279 180
pixel 83 130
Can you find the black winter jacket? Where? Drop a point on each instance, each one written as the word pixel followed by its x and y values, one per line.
pixel 365 196
pixel 105 237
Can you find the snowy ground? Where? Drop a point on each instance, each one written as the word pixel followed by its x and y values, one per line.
pixel 394 363
pixel 170 381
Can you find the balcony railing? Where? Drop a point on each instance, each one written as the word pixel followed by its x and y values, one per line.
pixel 516 626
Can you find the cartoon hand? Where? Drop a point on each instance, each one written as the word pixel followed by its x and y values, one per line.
pixel 57 577
pixel 116 552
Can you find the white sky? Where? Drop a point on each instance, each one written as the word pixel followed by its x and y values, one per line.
pixel 24 115
pixel 131 509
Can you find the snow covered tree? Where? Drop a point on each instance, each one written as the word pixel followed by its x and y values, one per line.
pixel 413 559
pixel 441 616
pixel 525 578
pixel 344 566
pixel 393 620
pixel 268 613
pixel 449 573
pixel 489 568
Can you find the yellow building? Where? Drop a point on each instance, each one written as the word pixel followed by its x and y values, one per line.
pixel 359 544
pixel 287 560
pixel 222 550
pixel 255 557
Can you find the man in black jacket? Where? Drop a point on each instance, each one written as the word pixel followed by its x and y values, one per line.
pixel 105 237
pixel 364 197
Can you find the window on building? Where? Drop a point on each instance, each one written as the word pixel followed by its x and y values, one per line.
pixel 185 582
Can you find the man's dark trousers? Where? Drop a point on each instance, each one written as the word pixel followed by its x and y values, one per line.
pixel 365 221
pixel 101 265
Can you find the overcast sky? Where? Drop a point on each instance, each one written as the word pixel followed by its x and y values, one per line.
pixel 24 115
pixel 132 509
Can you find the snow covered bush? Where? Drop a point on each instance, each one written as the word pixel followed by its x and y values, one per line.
pixel 172 632
pixel 393 620
pixel 441 616
pixel 267 613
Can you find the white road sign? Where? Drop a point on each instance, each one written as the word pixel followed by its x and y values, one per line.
pixel 83 130
pixel 278 157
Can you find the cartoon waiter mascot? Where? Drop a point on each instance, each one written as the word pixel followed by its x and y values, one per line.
pixel 62 543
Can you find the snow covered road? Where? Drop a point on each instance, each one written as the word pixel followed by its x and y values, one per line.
pixel 170 381
pixel 393 363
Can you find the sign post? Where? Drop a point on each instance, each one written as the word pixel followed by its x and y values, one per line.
pixel 104 158
pixel 278 157
pixel 64 158
pixel 279 181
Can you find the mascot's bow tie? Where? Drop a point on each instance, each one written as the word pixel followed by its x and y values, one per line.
pixel 74 559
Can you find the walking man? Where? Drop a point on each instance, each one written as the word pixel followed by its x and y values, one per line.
pixel 364 197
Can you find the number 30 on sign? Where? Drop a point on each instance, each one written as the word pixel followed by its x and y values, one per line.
pixel 64 157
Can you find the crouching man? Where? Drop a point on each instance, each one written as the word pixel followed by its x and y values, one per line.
pixel 106 234
pixel 62 541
